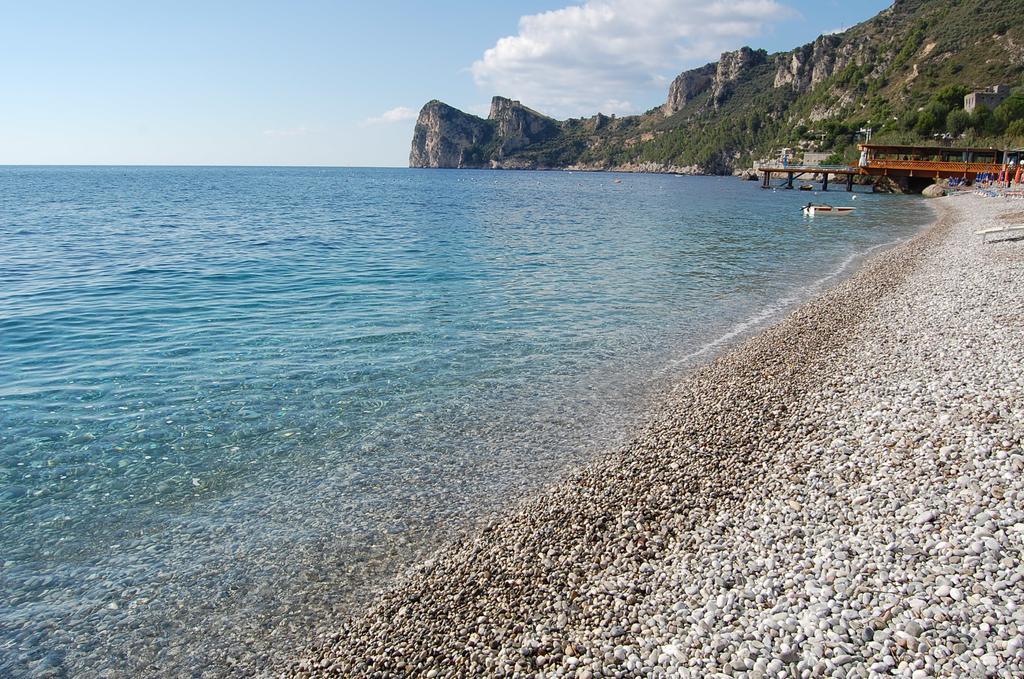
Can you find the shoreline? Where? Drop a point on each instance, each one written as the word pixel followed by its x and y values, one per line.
pixel 745 330
pixel 224 552
pixel 573 583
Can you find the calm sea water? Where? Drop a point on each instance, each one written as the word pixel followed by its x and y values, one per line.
pixel 232 401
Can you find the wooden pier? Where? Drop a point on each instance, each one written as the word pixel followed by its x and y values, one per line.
pixel 792 173
pixel 914 166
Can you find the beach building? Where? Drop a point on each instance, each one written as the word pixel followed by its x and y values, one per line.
pixel 916 167
pixel 912 168
pixel 989 98
pixel 929 161
pixel 815 158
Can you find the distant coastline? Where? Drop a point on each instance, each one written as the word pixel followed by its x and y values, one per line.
pixel 912 74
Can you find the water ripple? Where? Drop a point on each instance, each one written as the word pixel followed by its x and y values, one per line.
pixel 228 394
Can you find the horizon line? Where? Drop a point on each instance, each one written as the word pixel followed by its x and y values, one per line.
pixel 223 165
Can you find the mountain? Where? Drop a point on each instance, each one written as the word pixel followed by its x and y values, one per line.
pixel 903 73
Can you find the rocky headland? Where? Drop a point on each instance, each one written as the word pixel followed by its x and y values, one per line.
pixel 443 134
pixel 727 115
pixel 840 496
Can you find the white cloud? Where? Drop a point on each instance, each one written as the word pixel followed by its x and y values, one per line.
pixel 600 54
pixel 395 115
pixel 299 131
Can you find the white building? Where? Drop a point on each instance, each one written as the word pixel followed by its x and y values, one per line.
pixel 989 98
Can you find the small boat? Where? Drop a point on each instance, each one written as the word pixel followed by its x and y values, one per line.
pixel 807 187
pixel 812 210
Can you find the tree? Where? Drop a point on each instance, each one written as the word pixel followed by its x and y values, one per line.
pixel 957 121
pixel 939 111
pixel 927 122
pixel 984 122
pixel 837 158
pixel 1016 130
pixel 755 122
pixel 1010 110
pixel 951 96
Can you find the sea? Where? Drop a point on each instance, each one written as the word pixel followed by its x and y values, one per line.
pixel 236 402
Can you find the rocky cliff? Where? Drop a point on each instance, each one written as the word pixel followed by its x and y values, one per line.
pixel 517 126
pixel 912 58
pixel 687 86
pixel 807 66
pixel 446 137
pixel 731 67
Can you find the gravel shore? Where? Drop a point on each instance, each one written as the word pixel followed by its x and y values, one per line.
pixel 840 496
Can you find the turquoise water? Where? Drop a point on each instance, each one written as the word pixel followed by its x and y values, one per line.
pixel 233 400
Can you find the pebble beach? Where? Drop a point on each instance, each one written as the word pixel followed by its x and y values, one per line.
pixel 839 496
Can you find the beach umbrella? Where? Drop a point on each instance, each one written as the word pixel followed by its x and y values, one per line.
pixel 1016 178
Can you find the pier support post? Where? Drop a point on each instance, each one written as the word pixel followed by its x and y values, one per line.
pixel 789 181
pixel 824 182
pixel 767 181
pixel 849 182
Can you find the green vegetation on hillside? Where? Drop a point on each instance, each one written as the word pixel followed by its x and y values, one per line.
pixel 903 74
pixel 909 70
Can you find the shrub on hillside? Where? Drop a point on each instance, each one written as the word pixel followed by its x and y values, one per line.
pixel 1016 131
pixel 927 122
pixel 957 121
pixel 983 122
pixel 1010 110
pixel 951 96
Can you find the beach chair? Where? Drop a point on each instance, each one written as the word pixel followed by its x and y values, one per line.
pixel 984 233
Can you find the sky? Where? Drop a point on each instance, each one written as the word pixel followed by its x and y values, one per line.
pixel 315 82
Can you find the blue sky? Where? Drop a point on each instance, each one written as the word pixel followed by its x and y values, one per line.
pixel 311 82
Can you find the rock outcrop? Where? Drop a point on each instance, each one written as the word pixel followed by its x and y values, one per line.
pixel 516 126
pixel 446 137
pixel 732 66
pixel 687 86
pixel 805 67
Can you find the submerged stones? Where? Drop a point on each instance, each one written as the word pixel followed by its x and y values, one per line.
pixel 840 496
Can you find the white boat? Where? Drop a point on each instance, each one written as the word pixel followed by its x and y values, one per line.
pixel 812 210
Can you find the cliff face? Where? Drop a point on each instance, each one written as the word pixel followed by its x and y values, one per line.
pixel 733 66
pixel 718 77
pixel 805 67
pixel 687 86
pixel 517 126
pixel 445 137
